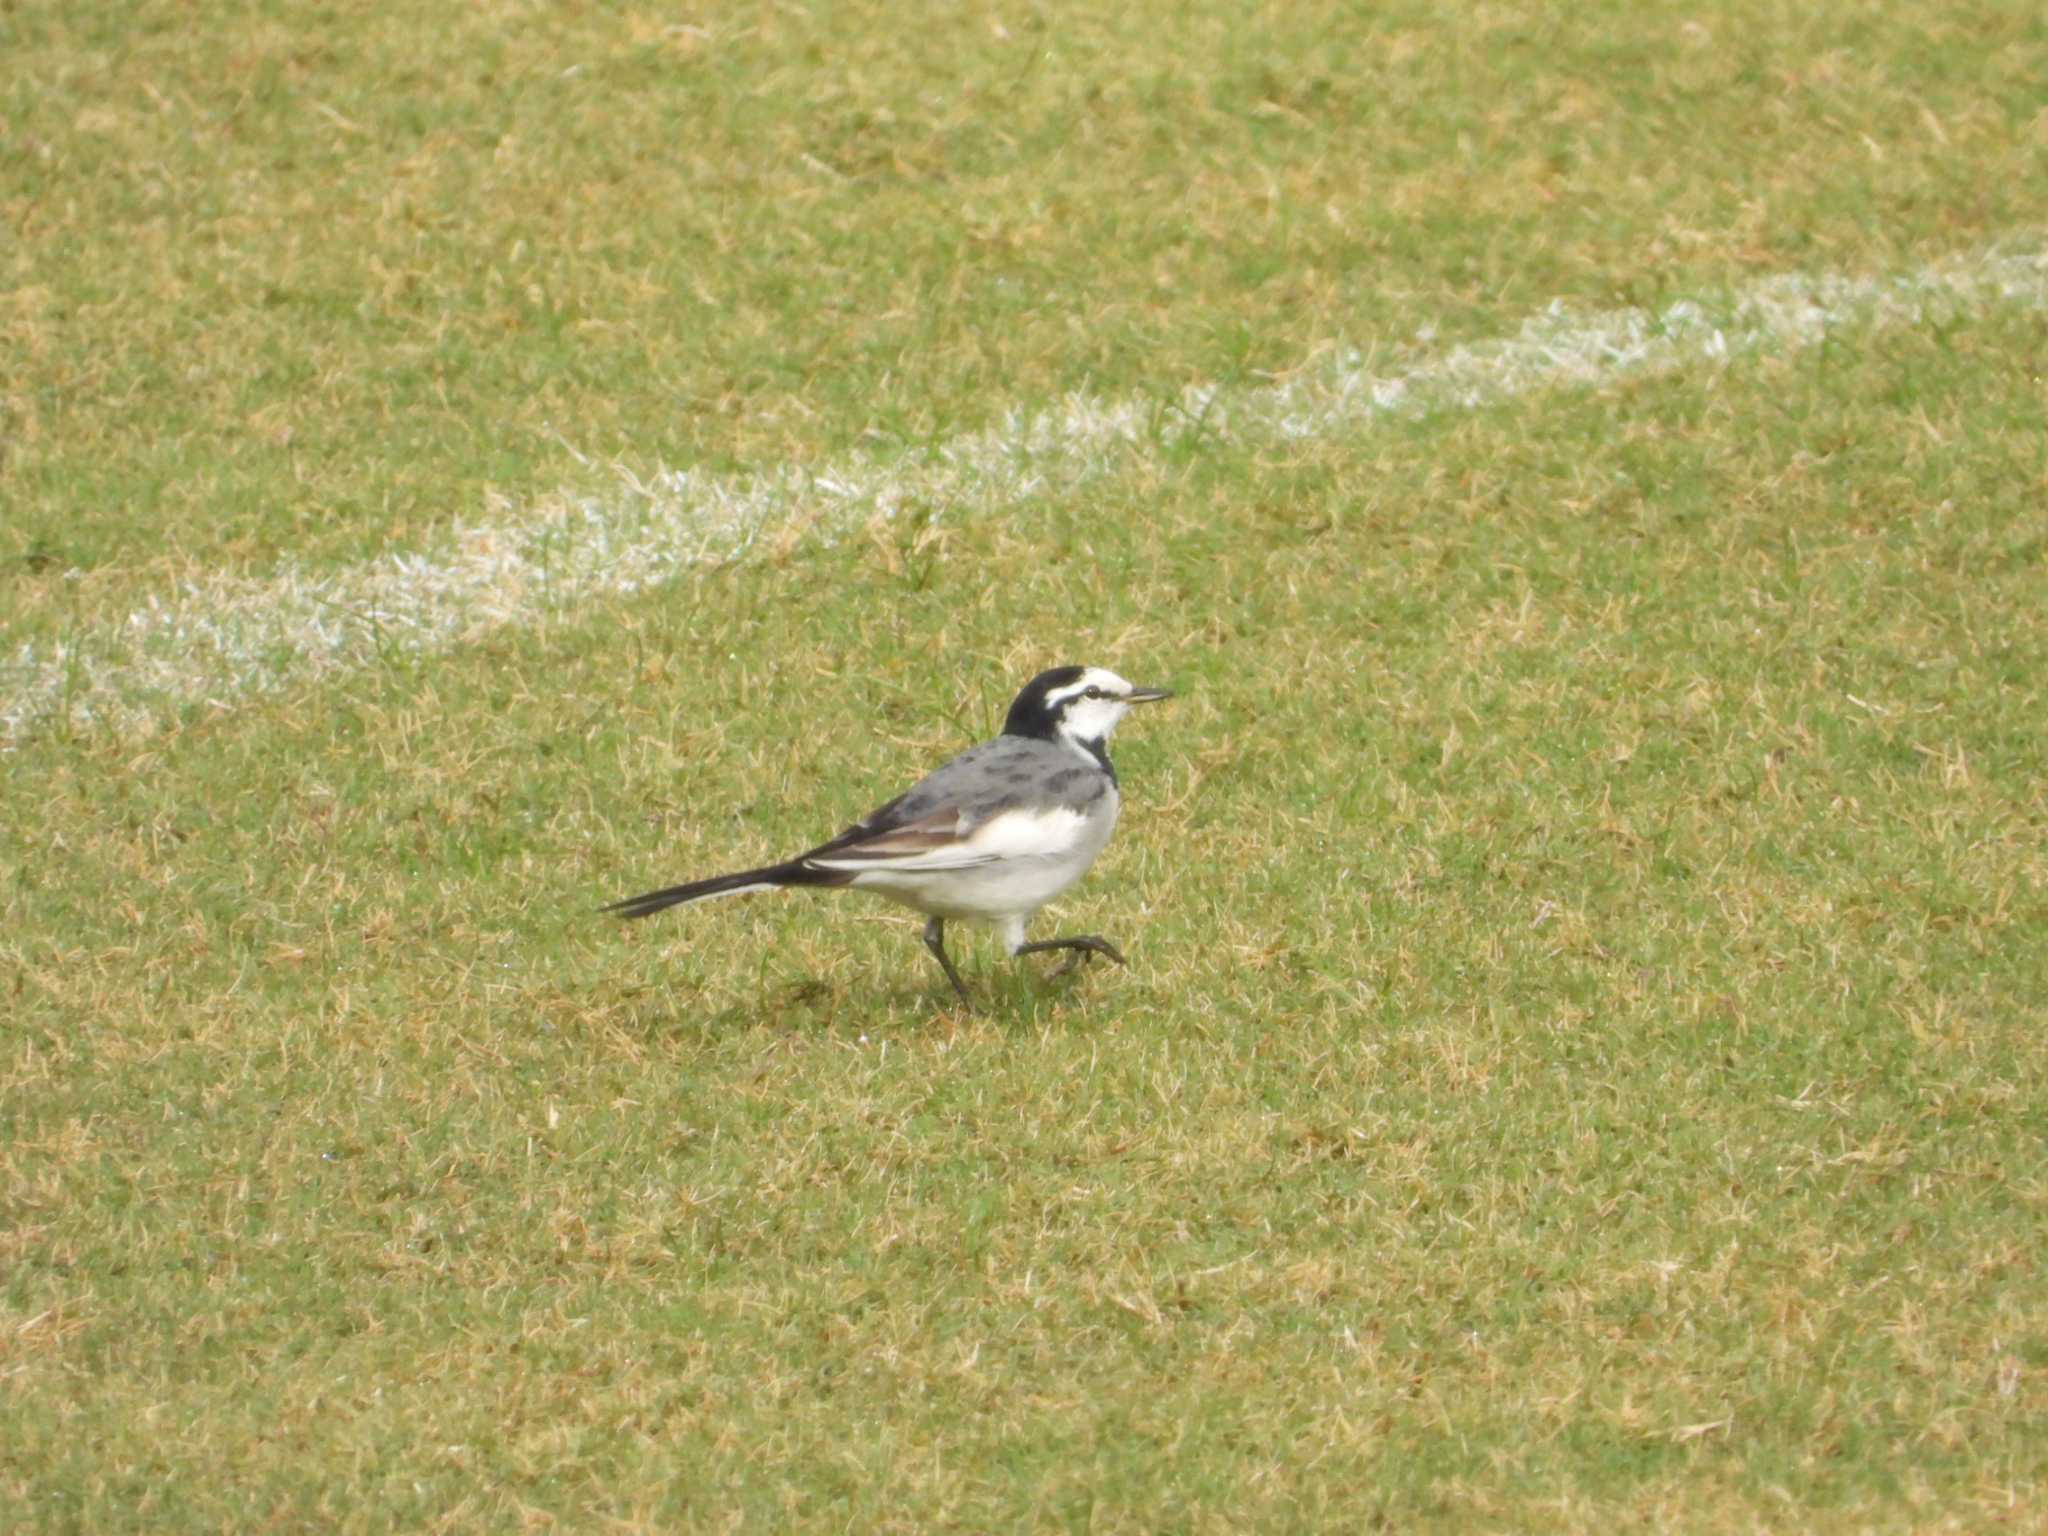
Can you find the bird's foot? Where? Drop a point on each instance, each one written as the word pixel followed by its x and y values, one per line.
pixel 1079 948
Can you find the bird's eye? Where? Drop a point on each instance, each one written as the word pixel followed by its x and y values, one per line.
pixel 1091 692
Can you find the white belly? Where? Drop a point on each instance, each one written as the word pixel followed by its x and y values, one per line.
pixel 1012 886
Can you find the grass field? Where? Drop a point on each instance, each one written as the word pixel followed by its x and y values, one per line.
pixel 1582 1062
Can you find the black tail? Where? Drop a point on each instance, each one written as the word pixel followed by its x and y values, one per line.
pixel 791 873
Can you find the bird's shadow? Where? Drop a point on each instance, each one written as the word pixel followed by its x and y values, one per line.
pixel 1013 995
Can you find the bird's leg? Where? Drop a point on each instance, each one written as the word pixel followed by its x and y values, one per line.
pixel 1082 945
pixel 935 941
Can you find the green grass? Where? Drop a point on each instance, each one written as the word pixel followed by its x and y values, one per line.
pixel 1581 1063
pixel 309 278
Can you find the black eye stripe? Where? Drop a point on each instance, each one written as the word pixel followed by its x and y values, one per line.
pixel 1072 696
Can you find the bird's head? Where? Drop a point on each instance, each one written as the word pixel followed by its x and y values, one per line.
pixel 1076 705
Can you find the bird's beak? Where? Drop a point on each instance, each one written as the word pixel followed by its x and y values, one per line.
pixel 1147 695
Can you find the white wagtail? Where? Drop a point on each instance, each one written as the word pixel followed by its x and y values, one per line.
pixel 993 835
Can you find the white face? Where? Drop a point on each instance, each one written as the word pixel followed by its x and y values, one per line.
pixel 1095 703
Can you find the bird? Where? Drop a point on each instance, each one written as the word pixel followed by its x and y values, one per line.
pixel 991 836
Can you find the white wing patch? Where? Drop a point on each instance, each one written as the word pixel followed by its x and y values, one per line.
pixel 1009 835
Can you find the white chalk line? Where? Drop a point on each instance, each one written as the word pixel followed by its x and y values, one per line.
pixel 217 641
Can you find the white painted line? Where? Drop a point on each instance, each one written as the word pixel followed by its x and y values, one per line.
pixel 215 642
